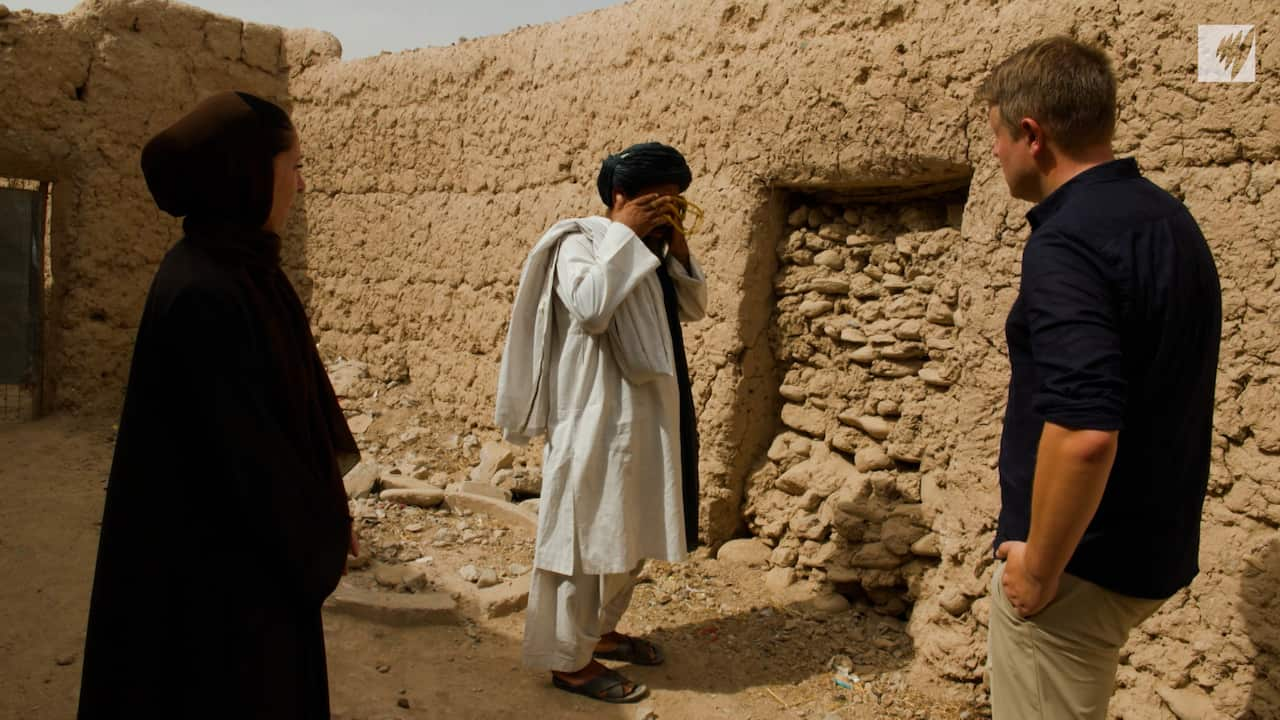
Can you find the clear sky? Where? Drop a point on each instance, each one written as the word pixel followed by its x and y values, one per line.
pixel 369 27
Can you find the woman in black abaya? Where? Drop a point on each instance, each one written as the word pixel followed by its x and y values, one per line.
pixel 226 523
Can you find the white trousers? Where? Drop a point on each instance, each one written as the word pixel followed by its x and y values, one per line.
pixel 568 614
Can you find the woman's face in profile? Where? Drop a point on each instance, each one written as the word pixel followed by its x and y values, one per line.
pixel 288 183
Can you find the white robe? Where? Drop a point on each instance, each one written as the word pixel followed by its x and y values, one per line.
pixel 611 481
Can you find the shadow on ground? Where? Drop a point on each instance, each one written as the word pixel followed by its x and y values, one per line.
pixel 1260 604
pixel 789 645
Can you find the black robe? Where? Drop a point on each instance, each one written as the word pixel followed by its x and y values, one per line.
pixel 226 524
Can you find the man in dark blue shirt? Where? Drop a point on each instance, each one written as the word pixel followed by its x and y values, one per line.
pixel 1113 346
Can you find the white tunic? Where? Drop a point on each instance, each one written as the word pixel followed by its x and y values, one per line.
pixel 611 482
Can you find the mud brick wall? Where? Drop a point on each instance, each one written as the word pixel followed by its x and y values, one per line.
pixel 852 427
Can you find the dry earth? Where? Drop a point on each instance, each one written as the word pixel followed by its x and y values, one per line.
pixel 735 651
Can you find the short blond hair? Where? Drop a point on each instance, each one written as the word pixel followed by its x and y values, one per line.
pixel 1065 85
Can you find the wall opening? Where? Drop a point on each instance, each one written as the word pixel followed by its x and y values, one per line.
pixel 863 336
pixel 25 282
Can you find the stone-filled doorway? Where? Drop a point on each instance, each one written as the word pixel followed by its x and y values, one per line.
pixel 864 337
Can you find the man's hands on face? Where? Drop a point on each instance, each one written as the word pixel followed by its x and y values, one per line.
pixel 643 214
pixel 678 245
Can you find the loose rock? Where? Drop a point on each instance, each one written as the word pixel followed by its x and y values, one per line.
pixel 494 456
pixel 346 376
pixel 830 603
pixel 401 577
pixel 426 497
pixel 748 551
pixel 362 479
pixel 480 488
pixel 359 424
pixel 779 579
pixel 520 482
pixel 400 481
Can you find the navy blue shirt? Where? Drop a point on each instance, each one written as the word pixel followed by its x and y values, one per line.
pixel 1116 327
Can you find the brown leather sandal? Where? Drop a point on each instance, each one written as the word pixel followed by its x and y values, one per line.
pixel 635 651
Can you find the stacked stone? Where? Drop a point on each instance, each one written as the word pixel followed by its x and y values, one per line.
pixel 865 328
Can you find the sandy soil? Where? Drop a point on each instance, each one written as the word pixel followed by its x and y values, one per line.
pixel 734 651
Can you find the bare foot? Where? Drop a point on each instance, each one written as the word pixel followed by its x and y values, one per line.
pixel 610 641
pixel 616 646
pixel 581 677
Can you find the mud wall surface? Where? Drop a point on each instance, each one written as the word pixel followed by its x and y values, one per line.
pixel 82 93
pixel 847 175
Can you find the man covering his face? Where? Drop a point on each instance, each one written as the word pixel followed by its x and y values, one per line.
pixel 595 360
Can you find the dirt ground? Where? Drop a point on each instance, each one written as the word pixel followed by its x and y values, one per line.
pixel 733 650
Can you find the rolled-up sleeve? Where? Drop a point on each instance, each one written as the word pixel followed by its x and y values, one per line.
pixel 1073 313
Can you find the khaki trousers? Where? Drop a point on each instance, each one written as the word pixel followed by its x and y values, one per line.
pixel 568 614
pixel 1059 664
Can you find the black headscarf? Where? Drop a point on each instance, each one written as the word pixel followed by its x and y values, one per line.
pixel 216 162
pixel 215 168
pixel 642 166
pixel 226 522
